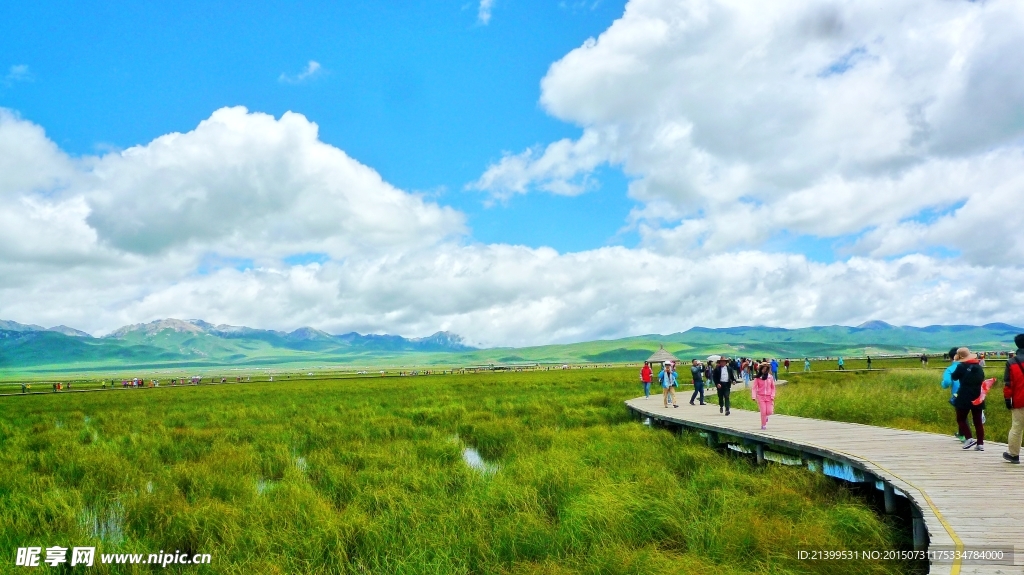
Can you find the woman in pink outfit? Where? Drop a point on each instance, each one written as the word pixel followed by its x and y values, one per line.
pixel 763 391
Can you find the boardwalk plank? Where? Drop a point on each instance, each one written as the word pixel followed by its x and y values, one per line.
pixel 968 489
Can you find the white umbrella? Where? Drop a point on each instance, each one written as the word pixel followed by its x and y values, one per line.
pixel 714 357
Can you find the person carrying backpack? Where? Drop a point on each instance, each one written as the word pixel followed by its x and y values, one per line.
pixel 970 375
pixel 1013 394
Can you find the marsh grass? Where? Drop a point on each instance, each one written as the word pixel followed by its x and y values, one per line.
pixel 364 476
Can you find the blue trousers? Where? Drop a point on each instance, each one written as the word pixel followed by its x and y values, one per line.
pixel 698 389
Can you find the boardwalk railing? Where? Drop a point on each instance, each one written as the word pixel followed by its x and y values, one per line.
pixel 967 506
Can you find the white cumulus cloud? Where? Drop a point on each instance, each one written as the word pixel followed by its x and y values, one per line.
pixel 893 125
pixel 818 117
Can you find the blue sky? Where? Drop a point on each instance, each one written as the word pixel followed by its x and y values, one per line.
pixel 555 172
pixel 422 92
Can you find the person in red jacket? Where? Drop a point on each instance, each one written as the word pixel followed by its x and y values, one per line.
pixel 1013 394
pixel 645 378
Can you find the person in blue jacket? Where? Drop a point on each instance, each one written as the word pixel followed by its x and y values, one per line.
pixel 952 385
pixel 667 377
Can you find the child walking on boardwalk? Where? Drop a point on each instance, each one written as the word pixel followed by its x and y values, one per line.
pixel 763 393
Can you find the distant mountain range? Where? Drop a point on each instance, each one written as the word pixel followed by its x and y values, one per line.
pixel 196 343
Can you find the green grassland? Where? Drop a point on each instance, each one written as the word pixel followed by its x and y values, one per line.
pixel 368 476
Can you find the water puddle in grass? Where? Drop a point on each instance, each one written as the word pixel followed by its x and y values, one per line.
pixel 473 459
pixel 105 524
pixel 264 486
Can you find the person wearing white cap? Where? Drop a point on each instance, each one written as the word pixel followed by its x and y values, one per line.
pixel 667 377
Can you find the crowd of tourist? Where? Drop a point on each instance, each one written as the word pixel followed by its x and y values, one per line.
pixel 720 373
pixel 964 377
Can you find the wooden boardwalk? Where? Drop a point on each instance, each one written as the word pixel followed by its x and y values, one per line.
pixel 963 500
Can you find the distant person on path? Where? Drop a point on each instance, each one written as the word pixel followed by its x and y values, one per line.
pixel 924 360
pixel 970 375
pixel 1013 394
pixel 764 394
pixel 723 376
pixel 697 373
pixel 667 377
pixel 775 368
pixel 786 363
pixel 953 387
pixel 842 364
pixel 745 371
pixel 645 379
pixel 807 364
pixel 24 388
pixel 869 362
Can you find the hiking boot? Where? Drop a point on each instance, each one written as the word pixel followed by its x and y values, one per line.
pixel 1011 458
pixel 970 443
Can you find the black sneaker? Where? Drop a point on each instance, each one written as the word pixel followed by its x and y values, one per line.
pixel 720 409
pixel 1011 458
pixel 970 443
pixel 727 413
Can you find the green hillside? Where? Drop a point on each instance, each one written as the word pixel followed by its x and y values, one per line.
pixel 197 344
